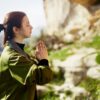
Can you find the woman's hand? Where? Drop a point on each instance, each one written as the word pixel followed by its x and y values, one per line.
pixel 41 51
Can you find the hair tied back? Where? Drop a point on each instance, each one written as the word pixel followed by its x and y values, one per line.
pixel 1 27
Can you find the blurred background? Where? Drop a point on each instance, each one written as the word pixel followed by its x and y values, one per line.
pixel 71 32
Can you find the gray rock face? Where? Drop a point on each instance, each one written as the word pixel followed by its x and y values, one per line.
pixel 78 66
pixel 86 3
pixel 64 16
pixel 94 72
pixel 56 12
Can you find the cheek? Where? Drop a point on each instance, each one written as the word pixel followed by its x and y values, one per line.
pixel 27 32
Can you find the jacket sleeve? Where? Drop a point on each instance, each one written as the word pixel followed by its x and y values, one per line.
pixel 27 72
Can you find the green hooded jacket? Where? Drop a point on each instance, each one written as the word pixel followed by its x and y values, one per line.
pixel 19 74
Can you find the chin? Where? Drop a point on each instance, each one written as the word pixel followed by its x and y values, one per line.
pixel 28 36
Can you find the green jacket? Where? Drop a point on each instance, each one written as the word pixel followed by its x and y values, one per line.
pixel 19 74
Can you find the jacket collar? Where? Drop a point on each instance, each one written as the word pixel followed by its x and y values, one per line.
pixel 14 46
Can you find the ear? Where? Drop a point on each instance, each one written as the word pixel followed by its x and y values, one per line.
pixel 15 29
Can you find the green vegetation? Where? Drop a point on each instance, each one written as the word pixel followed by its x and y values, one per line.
pixel 95 43
pixel 93 86
pixel 60 54
pixel 49 96
pixel 98 58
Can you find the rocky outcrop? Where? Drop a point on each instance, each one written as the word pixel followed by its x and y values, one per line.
pixel 64 17
pixel 70 20
pixel 86 3
pixel 77 68
pixel 56 12
pixel 77 65
pixel 95 20
pixel 67 22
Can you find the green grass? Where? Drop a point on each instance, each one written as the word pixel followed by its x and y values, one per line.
pixel 98 58
pixel 49 96
pixel 95 43
pixel 60 54
pixel 93 86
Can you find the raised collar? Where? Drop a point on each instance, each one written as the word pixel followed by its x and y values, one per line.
pixel 14 46
pixel 21 45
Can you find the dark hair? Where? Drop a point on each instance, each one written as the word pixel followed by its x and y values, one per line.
pixel 12 19
pixel 1 27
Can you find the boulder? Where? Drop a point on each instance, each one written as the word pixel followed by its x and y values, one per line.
pixel 77 20
pixel 94 18
pixel 86 3
pixel 56 12
pixel 64 17
pixel 94 72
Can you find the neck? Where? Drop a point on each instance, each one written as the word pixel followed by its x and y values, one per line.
pixel 19 40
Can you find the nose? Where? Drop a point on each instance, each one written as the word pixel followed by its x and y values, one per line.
pixel 31 27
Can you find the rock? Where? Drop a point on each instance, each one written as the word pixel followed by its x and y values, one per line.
pixel 97 13
pixel 95 7
pixel 75 67
pixel 75 30
pixel 56 12
pixel 90 60
pixel 66 91
pixel 42 90
pixel 86 3
pixel 69 38
pixel 64 17
pixel 78 65
pixel 62 88
pixel 95 17
pixel 74 77
pixel 79 91
pixel 86 51
pixel 62 96
pixel 56 64
pixel 94 72
pixel 89 56
pixel 95 21
pixel 73 63
pixel 78 19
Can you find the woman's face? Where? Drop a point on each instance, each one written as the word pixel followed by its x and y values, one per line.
pixel 26 28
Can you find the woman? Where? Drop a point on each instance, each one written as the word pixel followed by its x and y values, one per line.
pixel 19 72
